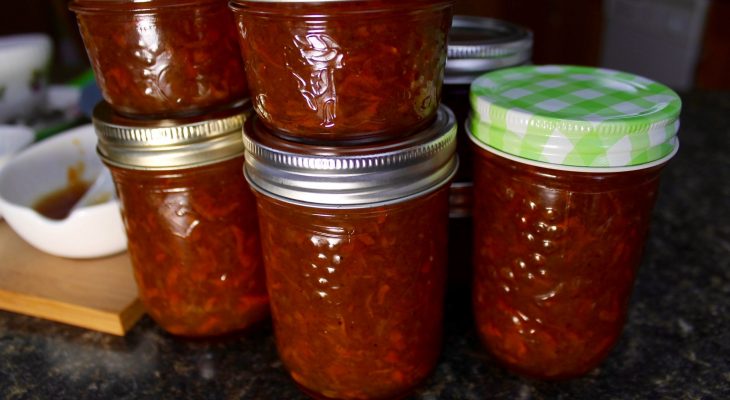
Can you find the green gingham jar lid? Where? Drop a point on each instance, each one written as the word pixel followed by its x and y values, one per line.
pixel 575 116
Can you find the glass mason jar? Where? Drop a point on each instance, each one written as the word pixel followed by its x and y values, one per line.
pixel 190 217
pixel 354 242
pixel 476 45
pixel 163 58
pixel 344 70
pixel 567 165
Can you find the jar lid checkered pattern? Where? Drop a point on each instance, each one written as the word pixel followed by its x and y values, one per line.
pixel 576 116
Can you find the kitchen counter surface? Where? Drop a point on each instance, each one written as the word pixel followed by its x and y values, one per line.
pixel 676 344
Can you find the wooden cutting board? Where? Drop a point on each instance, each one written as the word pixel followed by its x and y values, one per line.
pixel 98 294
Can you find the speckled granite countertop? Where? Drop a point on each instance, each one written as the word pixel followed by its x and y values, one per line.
pixel 676 344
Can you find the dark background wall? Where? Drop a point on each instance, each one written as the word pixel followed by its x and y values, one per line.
pixel 565 31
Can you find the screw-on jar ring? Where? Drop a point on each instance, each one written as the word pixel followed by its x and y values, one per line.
pixel 575 116
pixel 351 176
pixel 478 45
pixel 169 143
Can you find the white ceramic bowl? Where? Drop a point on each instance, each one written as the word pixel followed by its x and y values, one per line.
pixel 23 74
pixel 92 231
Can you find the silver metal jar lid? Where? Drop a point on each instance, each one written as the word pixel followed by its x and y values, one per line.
pixel 478 45
pixel 169 143
pixel 351 176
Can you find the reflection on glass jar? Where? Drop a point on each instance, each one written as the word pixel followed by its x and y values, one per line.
pixel 344 70
pixel 162 58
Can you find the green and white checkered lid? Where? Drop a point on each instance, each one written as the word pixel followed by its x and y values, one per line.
pixel 575 116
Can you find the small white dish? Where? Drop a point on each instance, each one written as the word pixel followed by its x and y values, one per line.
pixel 90 231
pixel 23 74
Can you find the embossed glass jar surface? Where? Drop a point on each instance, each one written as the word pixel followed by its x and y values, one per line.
pixel 190 218
pixel 357 295
pixel 566 170
pixel 344 70
pixel 163 58
pixel 354 244
pixel 555 255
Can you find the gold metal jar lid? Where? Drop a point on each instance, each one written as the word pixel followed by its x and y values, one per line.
pixel 163 144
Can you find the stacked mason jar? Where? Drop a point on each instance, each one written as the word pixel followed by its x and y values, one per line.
pixel 175 95
pixel 350 156
pixel 348 152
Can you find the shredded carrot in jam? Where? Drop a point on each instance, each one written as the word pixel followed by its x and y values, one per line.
pixel 346 75
pixel 180 61
pixel 353 318
pixel 554 262
pixel 194 244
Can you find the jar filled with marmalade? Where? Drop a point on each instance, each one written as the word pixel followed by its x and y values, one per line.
pixel 163 58
pixel 344 70
pixel 190 218
pixel 476 45
pixel 566 170
pixel 354 243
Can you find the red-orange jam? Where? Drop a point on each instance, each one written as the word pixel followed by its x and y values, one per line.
pixel 163 58
pixel 194 245
pixel 344 70
pixel 555 255
pixel 357 294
